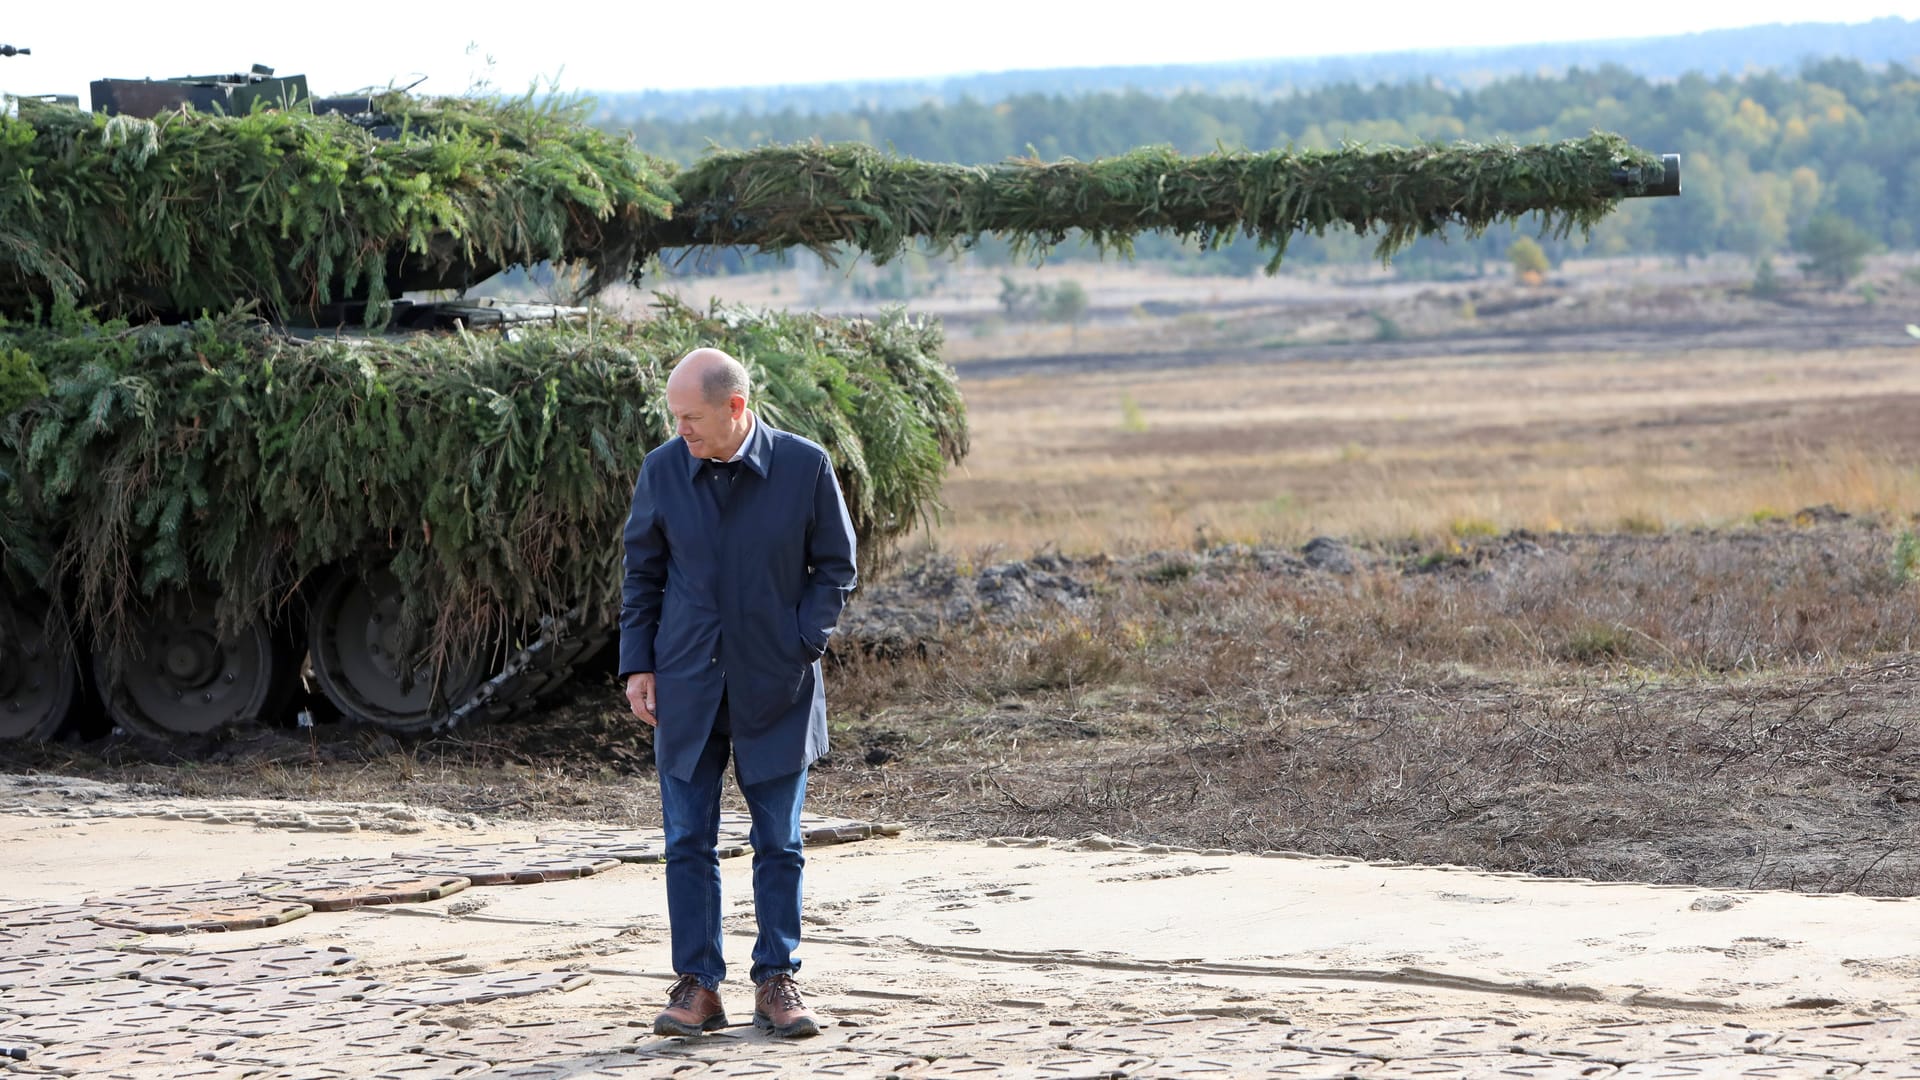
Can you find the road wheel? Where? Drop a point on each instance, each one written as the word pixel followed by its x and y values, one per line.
pixel 359 650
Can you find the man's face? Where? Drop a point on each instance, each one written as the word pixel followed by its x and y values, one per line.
pixel 706 426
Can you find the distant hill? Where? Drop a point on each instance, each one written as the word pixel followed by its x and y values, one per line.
pixel 1713 52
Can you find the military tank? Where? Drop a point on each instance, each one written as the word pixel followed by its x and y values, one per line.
pixel 250 449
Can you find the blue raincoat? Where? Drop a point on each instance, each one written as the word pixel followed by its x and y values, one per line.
pixel 733 587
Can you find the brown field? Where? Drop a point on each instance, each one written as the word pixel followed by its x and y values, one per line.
pixel 1288 449
pixel 1628 394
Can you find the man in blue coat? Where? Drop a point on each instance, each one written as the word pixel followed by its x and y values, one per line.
pixel 739 557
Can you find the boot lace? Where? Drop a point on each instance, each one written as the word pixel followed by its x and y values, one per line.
pixel 783 993
pixel 680 994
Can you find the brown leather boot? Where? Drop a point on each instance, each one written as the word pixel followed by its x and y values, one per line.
pixel 691 1009
pixel 777 1008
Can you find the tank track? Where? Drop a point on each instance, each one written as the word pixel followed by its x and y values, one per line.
pixel 536 669
pixel 534 672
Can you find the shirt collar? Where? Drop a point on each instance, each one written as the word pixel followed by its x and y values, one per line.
pixel 753 425
pixel 755 449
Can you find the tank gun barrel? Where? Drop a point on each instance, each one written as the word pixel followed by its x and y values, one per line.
pixel 10 50
pixel 830 197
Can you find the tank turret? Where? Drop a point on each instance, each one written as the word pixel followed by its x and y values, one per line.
pixel 229 94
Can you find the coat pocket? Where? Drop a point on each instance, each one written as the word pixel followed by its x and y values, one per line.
pixel 803 648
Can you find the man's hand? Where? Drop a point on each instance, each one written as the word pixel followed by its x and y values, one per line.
pixel 640 697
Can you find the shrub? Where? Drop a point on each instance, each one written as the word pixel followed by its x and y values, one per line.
pixel 1529 260
pixel 1905 564
pixel 1836 249
pixel 1595 642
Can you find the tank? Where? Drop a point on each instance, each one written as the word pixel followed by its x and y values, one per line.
pixel 254 458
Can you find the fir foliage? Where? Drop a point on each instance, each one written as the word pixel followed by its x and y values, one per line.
pixel 20 380
pixel 825 197
pixel 192 211
pixel 494 472
pixel 195 212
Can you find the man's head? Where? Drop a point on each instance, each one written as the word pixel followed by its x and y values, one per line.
pixel 707 394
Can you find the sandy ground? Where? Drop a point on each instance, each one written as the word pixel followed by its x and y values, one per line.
pixel 1023 952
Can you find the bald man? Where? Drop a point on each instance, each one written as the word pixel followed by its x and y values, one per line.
pixel 739 557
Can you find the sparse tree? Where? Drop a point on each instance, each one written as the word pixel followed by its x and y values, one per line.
pixel 1766 280
pixel 1835 248
pixel 1014 297
pixel 1529 261
pixel 1067 303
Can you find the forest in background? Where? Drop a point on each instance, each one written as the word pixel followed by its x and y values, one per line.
pixel 1831 147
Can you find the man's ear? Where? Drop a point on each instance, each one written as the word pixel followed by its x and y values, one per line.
pixel 737 405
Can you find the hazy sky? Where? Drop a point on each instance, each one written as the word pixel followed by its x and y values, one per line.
pixel 637 45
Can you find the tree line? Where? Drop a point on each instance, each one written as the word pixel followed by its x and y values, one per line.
pixel 1746 48
pixel 1767 153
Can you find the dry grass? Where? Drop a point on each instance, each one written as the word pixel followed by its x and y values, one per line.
pixel 1236 629
pixel 1775 784
pixel 1287 450
pixel 1728 709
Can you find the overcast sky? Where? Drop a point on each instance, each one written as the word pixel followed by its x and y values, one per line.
pixel 636 45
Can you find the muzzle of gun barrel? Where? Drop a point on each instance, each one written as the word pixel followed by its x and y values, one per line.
pixel 1639 185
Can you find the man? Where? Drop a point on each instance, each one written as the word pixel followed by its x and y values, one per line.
pixel 739 557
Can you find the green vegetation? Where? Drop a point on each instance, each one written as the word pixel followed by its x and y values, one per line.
pixel 1068 303
pixel 20 380
pixel 1836 249
pixel 1905 563
pixel 1065 302
pixel 827 198
pixel 494 472
pixel 192 212
pixel 1529 260
pixel 1596 643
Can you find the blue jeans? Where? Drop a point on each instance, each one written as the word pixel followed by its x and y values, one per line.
pixel 690 810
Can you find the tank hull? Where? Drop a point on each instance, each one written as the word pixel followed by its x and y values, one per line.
pixel 427 522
